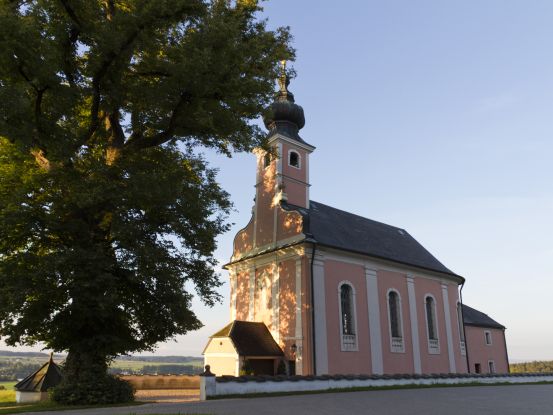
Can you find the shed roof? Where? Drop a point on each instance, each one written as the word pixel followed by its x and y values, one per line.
pixel 48 376
pixel 473 317
pixel 250 338
pixel 339 229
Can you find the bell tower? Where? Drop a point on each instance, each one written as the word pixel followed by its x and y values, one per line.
pixel 290 153
pixel 282 172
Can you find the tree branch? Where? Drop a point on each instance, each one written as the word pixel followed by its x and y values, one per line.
pixel 95 106
pixel 116 139
pixel 141 141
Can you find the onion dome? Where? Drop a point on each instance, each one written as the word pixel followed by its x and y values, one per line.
pixel 284 116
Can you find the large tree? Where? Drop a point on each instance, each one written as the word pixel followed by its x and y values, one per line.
pixel 107 209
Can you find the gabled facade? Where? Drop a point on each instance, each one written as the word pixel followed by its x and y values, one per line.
pixel 339 293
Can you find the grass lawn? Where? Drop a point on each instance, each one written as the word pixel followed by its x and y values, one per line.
pixel 14 408
pixel 7 395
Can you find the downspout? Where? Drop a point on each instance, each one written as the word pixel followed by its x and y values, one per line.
pixel 464 331
pixel 314 354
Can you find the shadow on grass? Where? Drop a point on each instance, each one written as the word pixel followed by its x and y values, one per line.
pixel 17 408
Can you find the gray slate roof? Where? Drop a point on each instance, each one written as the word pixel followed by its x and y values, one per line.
pixel 250 338
pixel 48 376
pixel 473 317
pixel 343 230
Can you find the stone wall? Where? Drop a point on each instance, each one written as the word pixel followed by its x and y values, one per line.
pixel 212 386
pixel 150 382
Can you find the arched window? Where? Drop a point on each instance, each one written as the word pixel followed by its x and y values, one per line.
pixel 431 325
pixel 346 299
pixel 347 317
pixel 294 159
pixel 396 329
pixel 267 160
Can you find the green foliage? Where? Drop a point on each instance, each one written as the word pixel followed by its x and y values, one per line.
pixel 97 391
pixel 532 367
pixel 108 213
pixel 247 368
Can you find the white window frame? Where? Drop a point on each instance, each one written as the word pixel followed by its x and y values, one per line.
pixel 299 158
pixel 344 346
pixel 491 366
pixel 461 328
pixel 488 335
pixel 433 347
pixel 397 344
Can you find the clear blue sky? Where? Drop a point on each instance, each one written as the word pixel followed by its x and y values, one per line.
pixel 436 117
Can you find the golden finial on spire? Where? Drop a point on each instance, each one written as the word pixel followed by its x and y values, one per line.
pixel 283 80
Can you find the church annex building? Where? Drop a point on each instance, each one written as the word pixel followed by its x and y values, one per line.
pixel 316 290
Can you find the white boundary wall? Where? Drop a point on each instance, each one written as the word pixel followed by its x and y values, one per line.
pixel 210 387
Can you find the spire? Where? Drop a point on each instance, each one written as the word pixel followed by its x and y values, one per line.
pixel 284 116
pixel 283 82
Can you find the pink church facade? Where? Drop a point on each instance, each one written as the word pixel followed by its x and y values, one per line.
pixel 338 293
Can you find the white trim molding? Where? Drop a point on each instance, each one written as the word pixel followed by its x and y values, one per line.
pixel 460 327
pixel 397 344
pixel 448 330
pixel 417 366
pixel 299 328
pixel 491 366
pixel 373 306
pixel 251 311
pixel 488 336
pixel 275 301
pixel 348 343
pixel 290 151
pixel 319 316
pixel 292 142
pixel 233 277
pixel 433 344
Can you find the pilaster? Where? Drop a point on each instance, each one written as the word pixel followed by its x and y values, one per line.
pixel 373 306
pixel 321 347
pixel 449 332
pixel 413 317
pixel 251 313
pixel 299 330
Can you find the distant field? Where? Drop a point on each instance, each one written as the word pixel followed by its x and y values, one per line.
pixel 7 395
pixel 139 364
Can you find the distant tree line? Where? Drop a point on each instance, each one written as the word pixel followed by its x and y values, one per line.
pixel 532 367
pixel 14 370
pixel 160 359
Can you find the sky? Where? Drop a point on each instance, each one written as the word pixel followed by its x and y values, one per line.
pixel 436 117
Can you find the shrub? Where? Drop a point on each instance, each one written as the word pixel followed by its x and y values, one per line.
pixel 107 390
pixel 247 368
pixel 2 387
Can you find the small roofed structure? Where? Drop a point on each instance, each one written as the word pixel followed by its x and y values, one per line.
pixel 243 346
pixel 486 344
pixel 34 388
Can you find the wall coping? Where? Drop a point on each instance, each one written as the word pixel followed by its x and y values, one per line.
pixel 437 376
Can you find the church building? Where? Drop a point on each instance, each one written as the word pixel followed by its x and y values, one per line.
pixel 316 290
